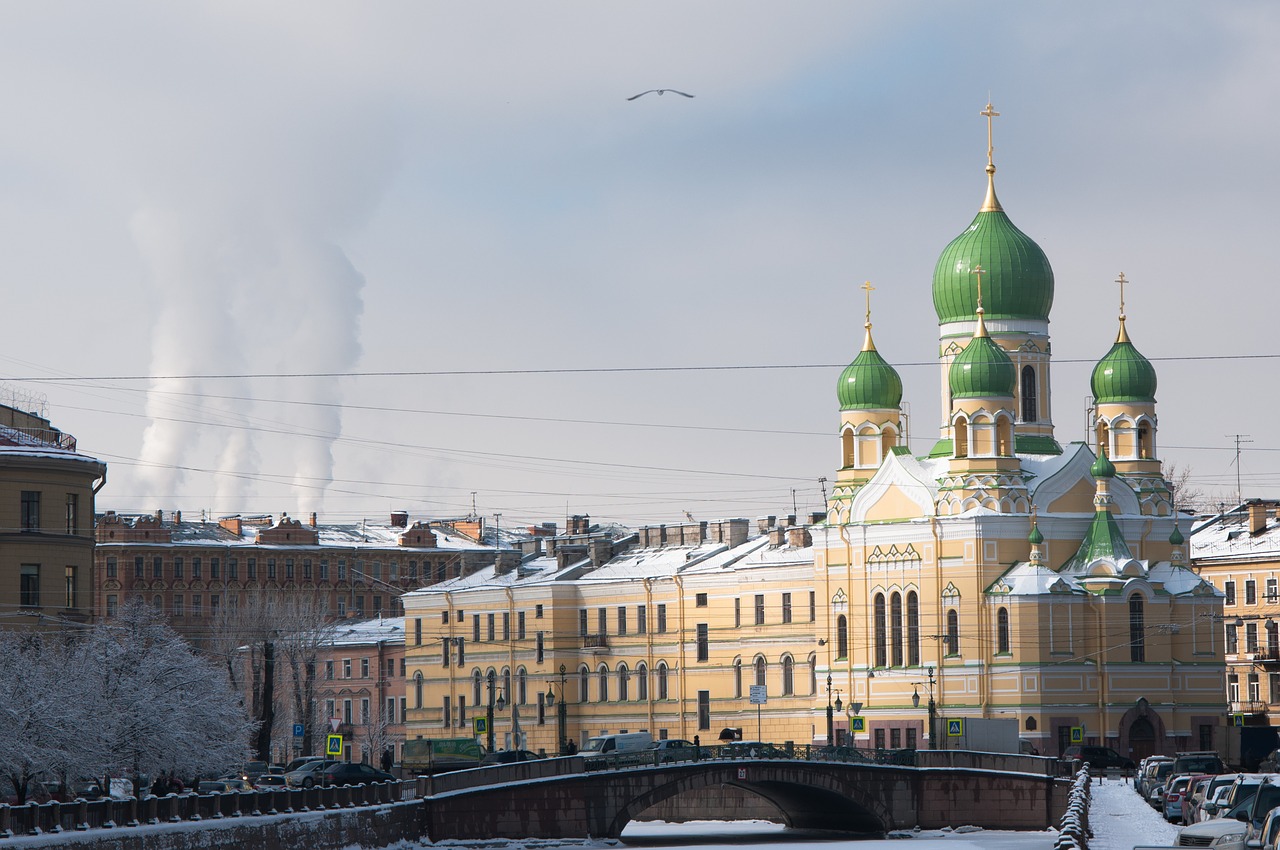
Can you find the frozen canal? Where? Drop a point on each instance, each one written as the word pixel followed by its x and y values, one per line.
pixel 739 834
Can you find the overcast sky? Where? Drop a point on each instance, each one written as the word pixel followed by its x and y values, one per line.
pixel 228 190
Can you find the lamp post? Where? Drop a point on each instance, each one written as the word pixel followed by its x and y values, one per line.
pixel 831 710
pixel 561 734
pixel 933 708
pixel 500 704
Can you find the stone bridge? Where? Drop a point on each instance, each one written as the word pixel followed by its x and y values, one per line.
pixel 859 799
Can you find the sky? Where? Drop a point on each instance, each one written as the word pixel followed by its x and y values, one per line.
pixel 361 257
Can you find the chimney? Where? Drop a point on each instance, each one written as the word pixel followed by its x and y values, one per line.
pixel 799 537
pixel 791 520
pixel 177 517
pixel 312 519
pixel 817 517
pixel 159 516
pixel 764 523
pixel 1257 516
pixel 777 536
pixel 399 519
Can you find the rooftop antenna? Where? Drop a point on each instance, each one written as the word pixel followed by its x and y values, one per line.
pixel 1239 438
pixel 473 502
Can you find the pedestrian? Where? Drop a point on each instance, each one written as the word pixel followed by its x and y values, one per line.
pixel 570 747
pixel 388 759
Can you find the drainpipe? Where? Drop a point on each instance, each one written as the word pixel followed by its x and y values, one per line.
pixel 939 635
pixel 684 724
pixel 511 662
pixel 648 650
pixel 448 649
pixel 1102 678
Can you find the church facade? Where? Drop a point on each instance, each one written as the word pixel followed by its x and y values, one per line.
pixel 1005 575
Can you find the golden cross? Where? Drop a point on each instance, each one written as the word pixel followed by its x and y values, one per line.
pixel 1121 280
pixel 979 271
pixel 989 113
pixel 868 288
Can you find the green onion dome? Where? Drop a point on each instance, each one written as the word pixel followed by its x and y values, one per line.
pixel 982 370
pixel 1103 467
pixel 1035 538
pixel 1018 283
pixel 1123 375
pixel 869 382
pixel 1176 537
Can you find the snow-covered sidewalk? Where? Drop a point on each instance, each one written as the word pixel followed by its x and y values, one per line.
pixel 1120 819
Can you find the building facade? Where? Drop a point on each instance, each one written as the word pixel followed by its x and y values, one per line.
pixel 195 570
pixel 47 491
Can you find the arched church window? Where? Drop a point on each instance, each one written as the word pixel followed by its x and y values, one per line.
pixel 1144 442
pixel 961 438
pixel 913 629
pixel 881 654
pixel 953 632
pixel 1137 629
pixel 842 637
pixel 895 628
pixel 1002 631
pixel 846 447
pixel 1029 394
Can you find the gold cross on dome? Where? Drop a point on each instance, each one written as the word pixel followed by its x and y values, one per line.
pixel 1122 281
pixel 868 288
pixel 989 113
pixel 979 271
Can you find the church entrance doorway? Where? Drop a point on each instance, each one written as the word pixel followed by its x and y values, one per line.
pixel 1142 739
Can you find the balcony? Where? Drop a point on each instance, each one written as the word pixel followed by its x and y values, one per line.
pixel 598 643
pixel 1250 706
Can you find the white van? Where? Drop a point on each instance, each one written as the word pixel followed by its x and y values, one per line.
pixel 623 742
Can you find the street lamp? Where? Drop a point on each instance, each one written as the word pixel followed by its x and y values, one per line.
pixel 499 704
pixel 562 736
pixel 831 710
pixel 933 708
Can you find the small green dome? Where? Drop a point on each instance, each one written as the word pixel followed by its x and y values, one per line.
pixel 1018 283
pixel 1123 375
pixel 1103 467
pixel 982 370
pixel 1035 538
pixel 869 383
pixel 1176 537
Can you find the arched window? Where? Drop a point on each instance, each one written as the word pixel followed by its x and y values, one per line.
pixel 506 684
pixel 868 448
pixel 953 632
pixel 1004 437
pixel 895 628
pixel 961 440
pixel 417 689
pixel 913 629
pixel 624 683
pixel 813 673
pixel 1144 442
pixel 1002 631
pixel 788 676
pixel 881 639
pixel 842 636
pixel 662 680
pixel 1137 629
pixel 846 447
pixel 522 686
pixel 761 670
pixel 602 682
pixel 737 678
pixel 642 682
pixel 1028 394
pixel 584 684
pixel 477 687
pixel 1273 640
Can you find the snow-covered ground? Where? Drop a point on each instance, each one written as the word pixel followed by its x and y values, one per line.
pixel 717 835
pixel 1120 819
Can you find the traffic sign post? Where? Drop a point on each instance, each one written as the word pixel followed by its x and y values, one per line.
pixel 955 727
pixel 759 696
pixel 299 730
pixel 1077 734
pixel 857 724
pixel 480 726
pixel 333 746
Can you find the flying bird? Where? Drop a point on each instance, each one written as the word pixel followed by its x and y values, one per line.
pixel 660 93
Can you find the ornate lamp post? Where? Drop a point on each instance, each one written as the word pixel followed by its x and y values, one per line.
pixel 500 704
pixel 561 721
pixel 831 710
pixel 933 708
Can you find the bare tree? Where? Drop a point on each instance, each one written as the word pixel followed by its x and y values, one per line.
pixel 1181 493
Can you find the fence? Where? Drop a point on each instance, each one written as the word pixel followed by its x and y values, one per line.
pixel 84 815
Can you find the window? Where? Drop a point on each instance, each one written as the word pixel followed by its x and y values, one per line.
pixel 759 609
pixel 111 604
pixel 1137 629
pixel 346 711
pixel 704 650
pixel 842 637
pixel 1229 588
pixel 417 631
pixel 642 621
pixel 1002 631
pixel 786 607
pixel 328 669
pixel 622 621
pixel 346 668
pixel 197 609
pixel 704 710
pixel 788 676
pixel 73 513
pixel 364 668
pixel 233 569
pixel 475 628
pixel 624 683
pixel 138 568
pixel 324 571
pixel 813 606
pixel 30 510
pixel 251 569
pixel 879 737
pixel 111 567
pixel 178 605
pixel 70 585
pixel 813 673
pixel 519 625
pixel 662 680
pixel 537 612
pixel 29 586
pixel 642 682
pixel 662 618
pixel 1028 394
pixel 895 628
pixel 737 678
pixel 213 568
pixel 911 737
pixel 195 568
pixel 364 712
pixel 602 621
pixel 1233 639
pixel 391 710
pixel 584 683
pixel 881 642
pixel 1250 592
pixel 540 648
pixel 306 575
pixel 506 625
pixel 700 600
pixel 271 569
pixel 1255 691
pixel 761 668
pixel 583 628
pixel 737 612
pixel 895 738
pixel 953 632
pixel 329 708
pixel 1233 688
pixel 913 629
pixel 1251 637
pixel 602 683
pixel 462 651
pixel 1273 594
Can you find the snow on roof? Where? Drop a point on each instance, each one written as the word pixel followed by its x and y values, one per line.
pixel 1227 536
pixel 367 632
pixel 351 535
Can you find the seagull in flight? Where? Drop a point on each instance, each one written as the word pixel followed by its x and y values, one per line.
pixel 660 93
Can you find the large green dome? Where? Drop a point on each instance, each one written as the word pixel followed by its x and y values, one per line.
pixel 982 370
pixel 1018 283
pixel 1123 375
pixel 869 383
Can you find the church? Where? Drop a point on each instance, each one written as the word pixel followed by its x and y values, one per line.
pixel 1006 575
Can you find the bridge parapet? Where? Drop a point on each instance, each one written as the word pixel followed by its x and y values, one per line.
pixel 498 774
pixel 1005 762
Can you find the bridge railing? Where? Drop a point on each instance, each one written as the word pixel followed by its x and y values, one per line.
pixel 84 815
pixel 738 750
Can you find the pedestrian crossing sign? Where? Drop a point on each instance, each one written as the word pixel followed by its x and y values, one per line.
pixel 1077 734
pixel 858 724
pixel 333 747
pixel 955 728
pixel 480 726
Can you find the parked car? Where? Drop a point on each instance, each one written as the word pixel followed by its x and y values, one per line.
pixel 299 762
pixel 1145 780
pixel 1214 796
pixel 305 775
pixel 1198 762
pixel 270 782
pixel 1098 758
pixel 509 757
pixel 226 785
pixel 252 770
pixel 347 773
pixel 1174 795
pixel 675 749
pixel 1027 748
